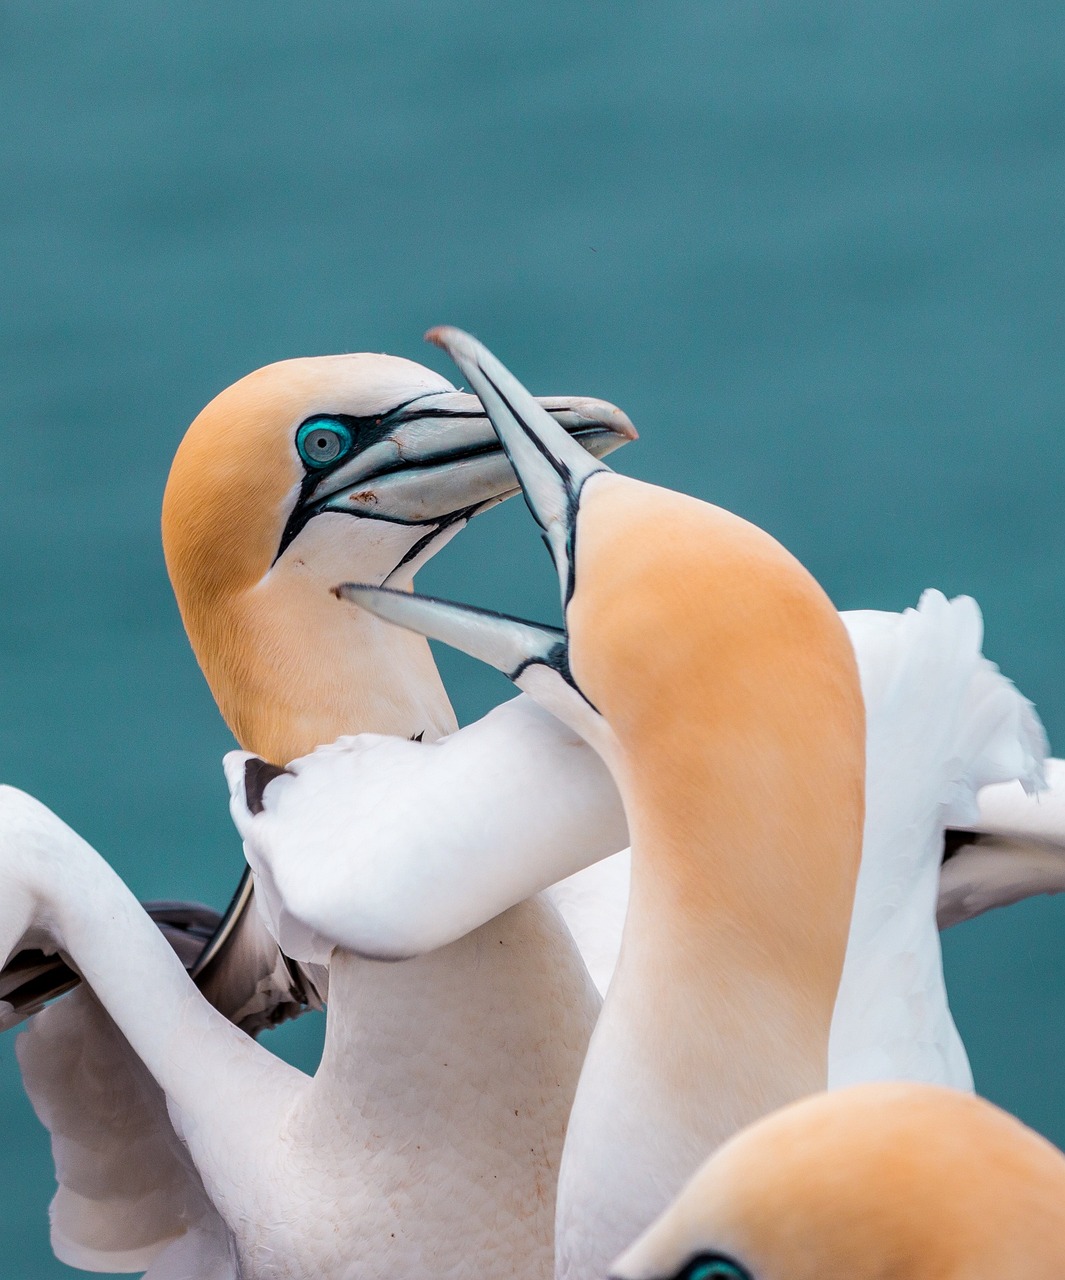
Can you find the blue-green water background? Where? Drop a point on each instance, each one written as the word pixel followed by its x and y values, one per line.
pixel 815 249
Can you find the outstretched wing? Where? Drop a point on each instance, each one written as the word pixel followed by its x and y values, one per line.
pixel 942 723
pixel 232 959
pixel 392 848
pixel 128 1196
pixel 126 1187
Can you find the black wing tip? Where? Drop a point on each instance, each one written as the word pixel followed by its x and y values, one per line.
pixel 258 774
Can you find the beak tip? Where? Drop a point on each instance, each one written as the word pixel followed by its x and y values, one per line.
pixel 447 337
pixel 616 420
pixel 623 425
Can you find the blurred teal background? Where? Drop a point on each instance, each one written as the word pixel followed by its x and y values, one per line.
pixel 814 249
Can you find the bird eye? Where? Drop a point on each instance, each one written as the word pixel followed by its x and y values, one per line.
pixel 321 441
pixel 712 1267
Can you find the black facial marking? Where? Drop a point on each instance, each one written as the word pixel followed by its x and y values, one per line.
pixel 366 432
pixel 258 774
pixel 439 527
pixel 556 659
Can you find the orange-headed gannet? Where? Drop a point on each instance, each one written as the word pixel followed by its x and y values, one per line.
pixel 713 675
pixel 875 1182
pixel 433 1128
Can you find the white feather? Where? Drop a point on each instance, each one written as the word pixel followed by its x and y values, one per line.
pixel 126 1186
pixel 942 722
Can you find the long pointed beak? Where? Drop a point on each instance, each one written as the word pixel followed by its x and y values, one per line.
pixel 508 644
pixel 550 466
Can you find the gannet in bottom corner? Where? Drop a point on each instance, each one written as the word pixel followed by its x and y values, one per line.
pixel 872 1182
pixel 433 1126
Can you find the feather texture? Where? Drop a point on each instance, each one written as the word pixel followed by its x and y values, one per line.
pixel 126 1186
pixel 942 723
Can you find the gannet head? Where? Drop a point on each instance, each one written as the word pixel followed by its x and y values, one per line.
pixel 878 1182
pixel 307 473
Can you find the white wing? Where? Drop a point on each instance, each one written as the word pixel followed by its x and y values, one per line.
pixel 128 1194
pixel 126 1187
pixel 942 722
pixel 391 848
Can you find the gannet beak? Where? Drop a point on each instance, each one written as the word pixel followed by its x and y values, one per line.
pixel 552 468
pixel 509 644
pixel 436 459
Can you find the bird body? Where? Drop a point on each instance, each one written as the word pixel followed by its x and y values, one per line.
pixel 713 677
pixel 740 765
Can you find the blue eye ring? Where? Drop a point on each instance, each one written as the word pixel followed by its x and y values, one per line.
pixel 713 1267
pixel 321 441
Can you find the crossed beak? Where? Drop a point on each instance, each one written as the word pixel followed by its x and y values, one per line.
pixel 551 468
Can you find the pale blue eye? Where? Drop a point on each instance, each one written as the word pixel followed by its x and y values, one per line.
pixel 322 441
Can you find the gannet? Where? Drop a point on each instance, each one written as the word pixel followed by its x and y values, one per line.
pixel 434 1124
pixel 742 738
pixel 715 678
pixel 872 1182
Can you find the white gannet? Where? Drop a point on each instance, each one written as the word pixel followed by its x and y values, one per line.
pixel 874 1182
pixel 714 677
pixel 757 769
pixel 434 1124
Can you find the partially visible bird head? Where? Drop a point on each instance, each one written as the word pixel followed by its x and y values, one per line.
pixel 882 1182
pixel 302 475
